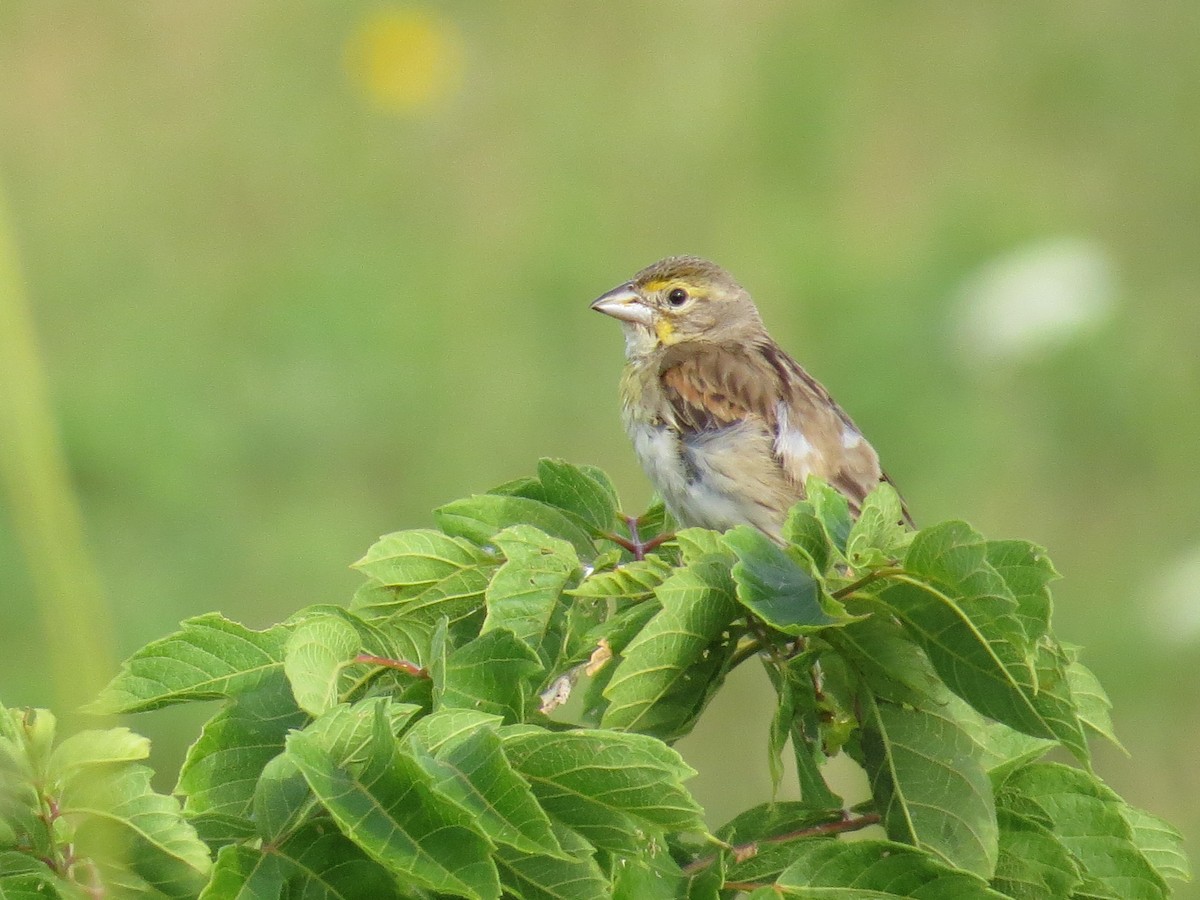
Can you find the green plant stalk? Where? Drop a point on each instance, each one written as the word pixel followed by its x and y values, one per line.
pixel 78 642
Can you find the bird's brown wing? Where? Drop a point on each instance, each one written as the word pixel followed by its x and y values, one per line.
pixel 713 386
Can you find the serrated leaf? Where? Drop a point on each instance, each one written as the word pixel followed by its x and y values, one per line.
pixel 480 516
pixel 391 811
pixel 964 617
pixel 1055 703
pixel 1032 865
pixel 525 595
pixel 223 766
pixel 315 660
pixel 651 874
pixel 893 665
pixel 244 873
pixel 666 673
pixel 85 749
pixel 209 658
pixel 494 673
pixel 331 867
pixel 798 719
pixel 473 772
pixel 878 534
pixel 874 870
pixel 697 543
pixel 805 534
pixel 1027 571
pixel 603 784
pixel 831 509
pixel 119 809
pixel 1160 843
pixel 1093 704
pixel 631 581
pixel 414 611
pixel 572 876
pixel 588 496
pixel 415 560
pixel 931 791
pixel 1089 820
pixel 773 586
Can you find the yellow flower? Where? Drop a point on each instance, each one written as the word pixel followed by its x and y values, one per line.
pixel 405 60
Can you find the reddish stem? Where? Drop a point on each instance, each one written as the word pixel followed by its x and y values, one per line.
pixel 400 665
pixel 749 850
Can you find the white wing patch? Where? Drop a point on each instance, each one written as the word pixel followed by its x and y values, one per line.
pixel 851 438
pixel 792 446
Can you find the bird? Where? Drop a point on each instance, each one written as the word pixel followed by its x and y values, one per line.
pixel 727 426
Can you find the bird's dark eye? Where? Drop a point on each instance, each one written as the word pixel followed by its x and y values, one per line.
pixel 677 297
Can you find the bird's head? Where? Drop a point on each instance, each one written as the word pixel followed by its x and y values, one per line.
pixel 678 299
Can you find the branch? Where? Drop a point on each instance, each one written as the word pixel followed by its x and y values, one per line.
pixel 749 850
pixel 401 665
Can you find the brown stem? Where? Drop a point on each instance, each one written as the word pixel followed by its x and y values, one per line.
pixel 634 543
pixel 749 850
pixel 401 665
pixel 849 589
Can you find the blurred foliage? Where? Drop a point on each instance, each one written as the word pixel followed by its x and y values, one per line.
pixel 290 295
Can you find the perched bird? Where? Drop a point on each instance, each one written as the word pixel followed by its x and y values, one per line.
pixel 725 423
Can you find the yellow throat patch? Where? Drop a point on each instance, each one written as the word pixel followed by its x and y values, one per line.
pixel 665 331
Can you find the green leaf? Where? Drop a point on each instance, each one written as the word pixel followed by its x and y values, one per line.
pixel 223 766
pixel 479 517
pixel 315 659
pixel 330 867
pixel 632 581
pixel 587 494
pixel 798 718
pixel 773 587
pixel 1092 701
pixel 210 658
pixel 117 808
pixel 473 772
pixel 495 673
pixel 525 595
pixel 414 561
pixel 572 876
pixel 1033 865
pixel 1027 571
pixel 874 870
pixel 414 610
pixel 605 784
pixel 651 874
pixel 697 543
pixel 1160 843
pixel 313 863
pixel 964 616
pixel 894 666
pixel 282 799
pixel 878 535
pixel 1055 703
pixel 831 509
pixel 1089 820
pixel 805 534
pixel 931 790
pixel 86 749
pixel 667 673
pixel 391 811
pixel 244 873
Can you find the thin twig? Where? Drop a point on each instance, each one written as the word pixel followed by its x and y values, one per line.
pixel 888 572
pixel 749 850
pixel 400 665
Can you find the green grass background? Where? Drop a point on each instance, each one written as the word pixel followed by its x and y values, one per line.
pixel 280 314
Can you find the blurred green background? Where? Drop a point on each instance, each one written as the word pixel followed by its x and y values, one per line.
pixel 299 274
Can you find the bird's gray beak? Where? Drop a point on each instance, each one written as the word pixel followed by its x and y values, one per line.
pixel 624 303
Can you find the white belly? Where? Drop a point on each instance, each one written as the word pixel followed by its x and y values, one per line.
pixel 704 482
